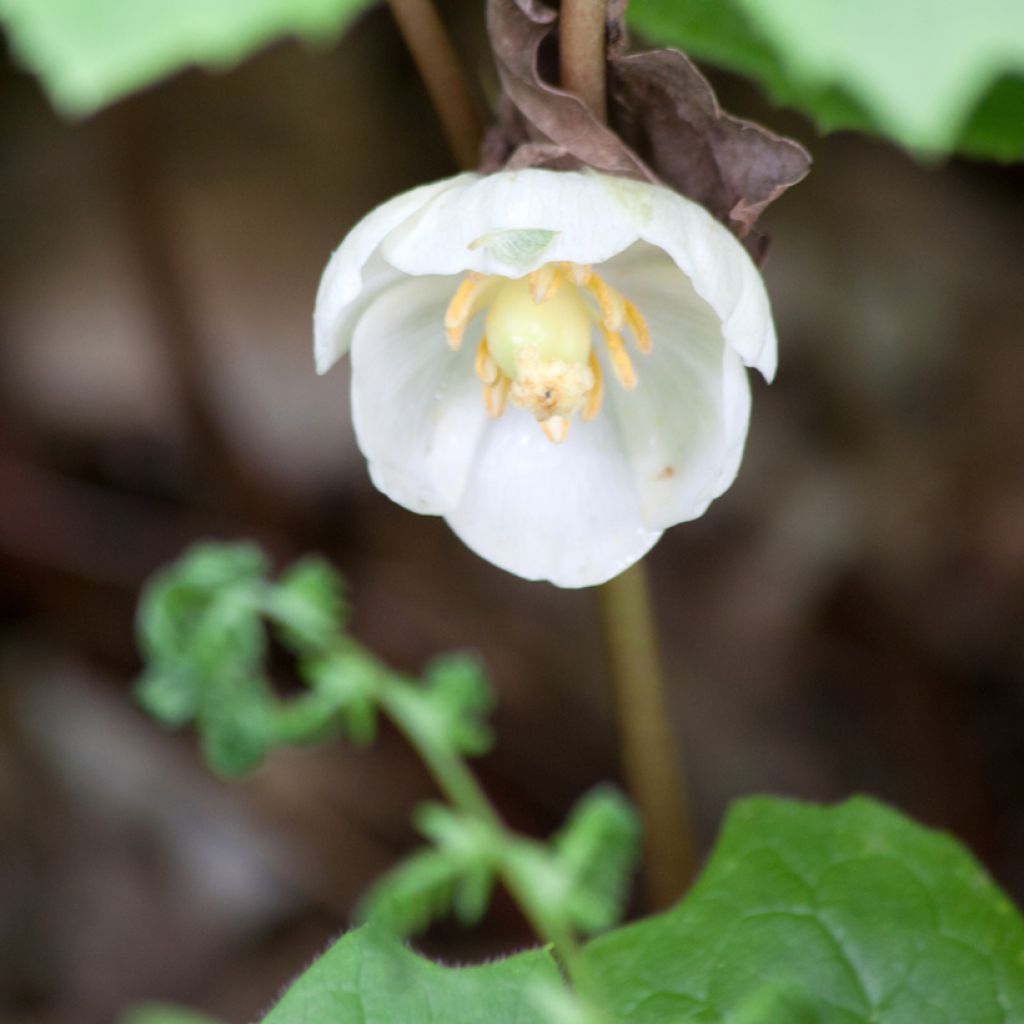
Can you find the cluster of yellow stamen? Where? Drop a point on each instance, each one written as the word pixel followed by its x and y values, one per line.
pixel 536 350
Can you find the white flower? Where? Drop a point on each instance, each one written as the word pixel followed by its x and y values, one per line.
pixel 550 448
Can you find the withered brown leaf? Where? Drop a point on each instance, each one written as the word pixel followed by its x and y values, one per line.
pixel 657 99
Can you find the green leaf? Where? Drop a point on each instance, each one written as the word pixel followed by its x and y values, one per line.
pixel 855 912
pixel 598 848
pixel 456 877
pixel 368 977
pixel 163 1013
pixel 90 52
pixel 309 604
pixel 461 697
pixel 201 632
pixel 929 74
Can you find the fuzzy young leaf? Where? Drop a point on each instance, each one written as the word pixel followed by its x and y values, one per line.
pixel 454 878
pixel 309 604
pixel 201 631
pixel 347 684
pixel 598 849
pixel 412 895
pixel 461 696
pixel 90 53
pixel 370 977
pixel 853 914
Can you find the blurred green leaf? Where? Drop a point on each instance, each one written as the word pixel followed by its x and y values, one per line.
pixel 461 697
pixel 348 683
pixel 369 977
pixel 418 891
pixel 598 849
pixel 454 878
pixel 90 52
pixel 931 75
pixel 201 631
pixel 309 604
pixel 163 1013
pixel 852 915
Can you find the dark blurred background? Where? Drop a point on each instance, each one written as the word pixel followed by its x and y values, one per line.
pixel 846 619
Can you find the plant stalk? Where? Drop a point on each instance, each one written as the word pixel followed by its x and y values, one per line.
pixel 650 750
pixel 442 73
pixel 460 787
pixel 583 53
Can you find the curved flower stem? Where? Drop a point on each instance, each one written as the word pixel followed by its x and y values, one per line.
pixel 443 75
pixel 460 787
pixel 582 52
pixel 650 751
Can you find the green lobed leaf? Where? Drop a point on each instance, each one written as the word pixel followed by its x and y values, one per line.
pixel 461 697
pixel 855 912
pixel 453 878
pixel 309 604
pixel 932 75
pixel 598 849
pixel 369 977
pixel 90 52
pixel 201 631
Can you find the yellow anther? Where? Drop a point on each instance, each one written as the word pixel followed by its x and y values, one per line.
pixel 546 281
pixel 638 325
pixel 621 365
pixel 486 368
pixel 537 353
pixel 592 405
pixel 555 428
pixel 462 307
pixel 496 395
pixel 613 313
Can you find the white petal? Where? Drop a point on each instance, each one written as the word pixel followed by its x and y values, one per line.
pixel 512 222
pixel 416 406
pixel 721 270
pixel 685 424
pixel 565 512
pixel 354 275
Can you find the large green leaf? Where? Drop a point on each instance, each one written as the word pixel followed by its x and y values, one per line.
pixel 90 52
pixel 931 74
pixel 854 913
pixel 369 977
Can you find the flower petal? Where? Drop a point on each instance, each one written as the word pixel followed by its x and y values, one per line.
pixel 714 260
pixel 685 424
pixel 565 512
pixel 416 405
pixel 354 276
pixel 512 222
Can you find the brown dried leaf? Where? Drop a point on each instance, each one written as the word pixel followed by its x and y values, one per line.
pixel 732 167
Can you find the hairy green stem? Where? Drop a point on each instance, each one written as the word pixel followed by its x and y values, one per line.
pixel 582 52
pixel 442 73
pixel 460 787
pixel 650 752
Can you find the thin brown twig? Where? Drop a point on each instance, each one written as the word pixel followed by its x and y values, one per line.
pixel 443 75
pixel 582 52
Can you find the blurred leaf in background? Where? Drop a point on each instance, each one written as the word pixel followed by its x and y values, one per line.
pixel 932 75
pixel 90 52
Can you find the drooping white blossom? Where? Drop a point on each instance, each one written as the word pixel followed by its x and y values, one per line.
pixel 552 361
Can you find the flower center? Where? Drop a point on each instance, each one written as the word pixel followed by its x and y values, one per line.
pixel 536 351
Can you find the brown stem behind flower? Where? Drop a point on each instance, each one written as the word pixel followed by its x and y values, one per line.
pixel 583 53
pixel 443 76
